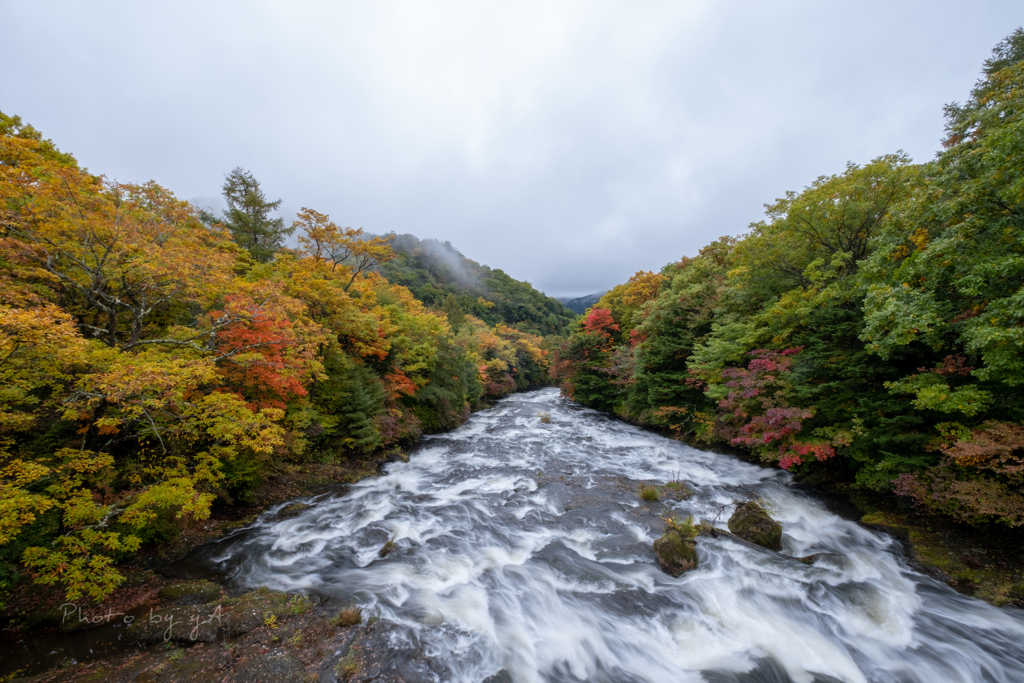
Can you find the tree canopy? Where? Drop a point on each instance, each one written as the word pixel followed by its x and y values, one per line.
pixel 871 327
pixel 155 363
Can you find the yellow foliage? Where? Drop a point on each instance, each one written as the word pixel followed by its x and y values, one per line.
pixel 625 300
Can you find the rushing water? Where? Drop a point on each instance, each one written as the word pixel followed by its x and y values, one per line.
pixel 524 547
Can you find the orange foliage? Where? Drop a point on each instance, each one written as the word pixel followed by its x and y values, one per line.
pixel 641 288
pixel 259 363
pixel 397 384
pixel 325 242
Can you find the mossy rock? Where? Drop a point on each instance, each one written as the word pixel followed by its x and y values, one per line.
pixel 66 619
pixel 183 624
pixel 677 490
pixel 292 510
pixel 190 593
pixel 751 523
pixel 676 550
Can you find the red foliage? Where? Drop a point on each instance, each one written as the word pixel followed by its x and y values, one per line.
pixel 600 321
pixel 695 382
pixel 970 497
pixel 755 413
pixel 776 424
pixel 636 337
pixel 274 377
pixel 995 446
pixel 397 383
pixel 498 384
pixel 396 424
pixel 798 451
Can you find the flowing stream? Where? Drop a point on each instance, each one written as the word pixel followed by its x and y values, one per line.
pixel 522 552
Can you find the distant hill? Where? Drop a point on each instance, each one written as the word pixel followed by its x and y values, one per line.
pixel 581 303
pixel 441 277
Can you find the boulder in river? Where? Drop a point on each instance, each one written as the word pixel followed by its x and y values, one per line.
pixel 292 510
pixel 751 523
pixel 676 550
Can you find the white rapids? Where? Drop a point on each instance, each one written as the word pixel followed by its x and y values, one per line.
pixel 523 548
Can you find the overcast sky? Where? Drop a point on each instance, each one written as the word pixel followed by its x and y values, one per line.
pixel 567 143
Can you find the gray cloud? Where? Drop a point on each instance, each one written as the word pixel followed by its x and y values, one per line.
pixel 569 144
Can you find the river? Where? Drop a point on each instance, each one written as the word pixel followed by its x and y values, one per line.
pixel 522 552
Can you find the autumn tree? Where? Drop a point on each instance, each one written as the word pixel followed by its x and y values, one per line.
pixel 324 242
pixel 134 269
pixel 625 301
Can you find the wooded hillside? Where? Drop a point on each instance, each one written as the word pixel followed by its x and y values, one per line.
pixel 870 328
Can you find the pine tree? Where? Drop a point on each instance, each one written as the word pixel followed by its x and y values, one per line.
pixel 248 216
pixel 456 316
pixel 354 396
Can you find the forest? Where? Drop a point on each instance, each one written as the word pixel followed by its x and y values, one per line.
pixel 869 330
pixel 157 361
pixel 440 276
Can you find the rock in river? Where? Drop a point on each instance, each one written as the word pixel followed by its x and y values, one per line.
pixel 676 550
pixel 751 523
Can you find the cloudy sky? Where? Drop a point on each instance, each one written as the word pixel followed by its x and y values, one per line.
pixel 567 143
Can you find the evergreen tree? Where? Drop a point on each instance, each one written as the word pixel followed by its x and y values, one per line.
pixel 352 395
pixel 248 216
pixel 456 316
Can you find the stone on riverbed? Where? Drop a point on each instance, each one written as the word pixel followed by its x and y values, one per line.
pixel 292 510
pixel 676 550
pixel 751 523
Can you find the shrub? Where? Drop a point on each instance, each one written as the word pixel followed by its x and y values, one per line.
pixel 350 616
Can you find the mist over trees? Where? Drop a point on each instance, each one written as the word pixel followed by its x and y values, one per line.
pixel 437 274
pixel 870 330
pixel 156 361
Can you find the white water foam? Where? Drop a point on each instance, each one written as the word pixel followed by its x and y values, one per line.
pixel 523 547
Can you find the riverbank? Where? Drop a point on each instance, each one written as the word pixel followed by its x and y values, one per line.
pixel 32 607
pixel 82 641
pixel 492 539
pixel 985 562
pixel 40 612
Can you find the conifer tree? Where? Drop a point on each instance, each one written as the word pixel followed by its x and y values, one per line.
pixel 456 316
pixel 353 396
pixel 248 216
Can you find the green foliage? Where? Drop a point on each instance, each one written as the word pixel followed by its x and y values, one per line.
pixel 444 402
pixel 872 321
pixel 584 363
pixel 441 277
pixel 349 399
pixel 41 532
pixel 153 362
pixel 650 493
pixel 248 216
